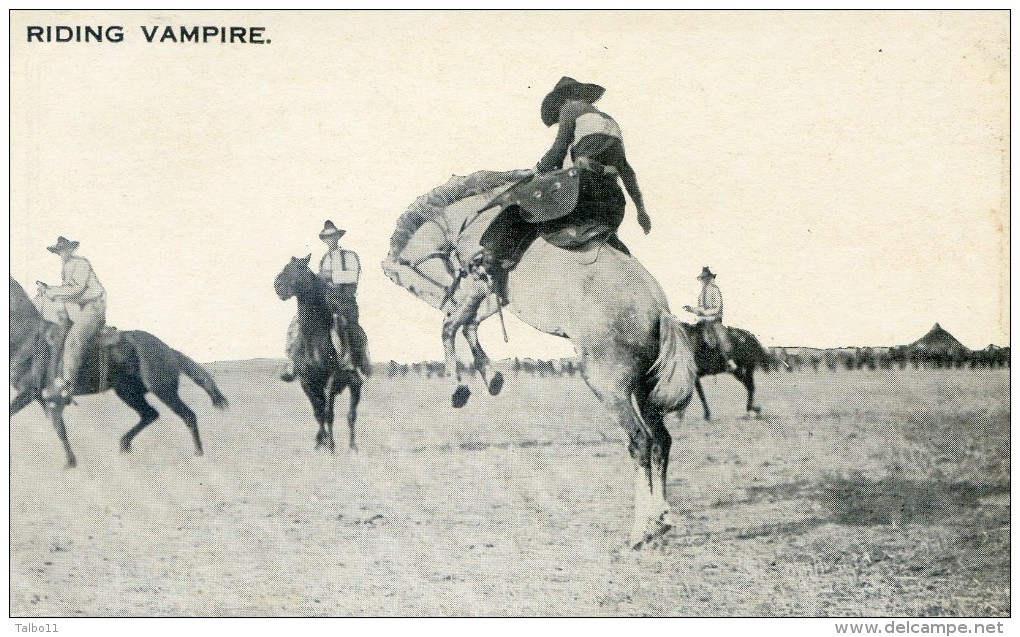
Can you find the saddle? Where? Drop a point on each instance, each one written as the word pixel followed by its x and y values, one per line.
pixel 572 208
pixel 705 336
pixel 94 373
pixel 544 197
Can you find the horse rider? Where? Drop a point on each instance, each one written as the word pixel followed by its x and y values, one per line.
pixel 710 315
pixel 84 300
pixel 341 270
pixel 595 144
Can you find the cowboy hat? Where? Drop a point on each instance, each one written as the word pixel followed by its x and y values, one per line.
pixel 62 245
pixel 567 88
pixel 706 273
pixel 328 230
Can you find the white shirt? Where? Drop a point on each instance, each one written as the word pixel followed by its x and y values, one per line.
pixel 80 283
pixel 340 266
pixel 710 303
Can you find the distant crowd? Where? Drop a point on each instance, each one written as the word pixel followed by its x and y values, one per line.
pixel 799 359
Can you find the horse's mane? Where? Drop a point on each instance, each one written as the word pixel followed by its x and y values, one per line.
pixel 21 303
pixel 317 286
pixel 432 204
pixel 442 221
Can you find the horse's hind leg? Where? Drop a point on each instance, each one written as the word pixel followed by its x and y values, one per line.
pixel 482 362
pixel 613 388
pixel 168 394
pixel 661 442
pixel 134 395
pixel 746 377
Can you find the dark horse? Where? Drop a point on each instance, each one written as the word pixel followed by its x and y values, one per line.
pixel 748 354
pixel 325 367
pixel 132 365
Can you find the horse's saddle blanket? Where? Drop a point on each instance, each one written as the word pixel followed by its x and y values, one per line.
pixel 544 197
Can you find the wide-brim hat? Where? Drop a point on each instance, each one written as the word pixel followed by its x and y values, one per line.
pixel 63 245
pixel 330 230
pixel 567 88
pixel 706 274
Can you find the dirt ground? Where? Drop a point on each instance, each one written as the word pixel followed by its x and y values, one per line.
pixel 870 493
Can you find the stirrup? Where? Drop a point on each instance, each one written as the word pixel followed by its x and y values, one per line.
pixel 53 395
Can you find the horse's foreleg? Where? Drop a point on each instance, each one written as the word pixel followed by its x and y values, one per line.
pixel 57 416
pixel 482 362
pixel 352 411
pixel 451 324
pixel 22 400
pixel 315 397
pixel 333 387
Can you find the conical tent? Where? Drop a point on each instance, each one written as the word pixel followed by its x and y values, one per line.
pixel 938 342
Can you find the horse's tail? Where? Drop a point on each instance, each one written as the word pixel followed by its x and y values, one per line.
pixel 197 373
pixel 674 370
pixel 767 359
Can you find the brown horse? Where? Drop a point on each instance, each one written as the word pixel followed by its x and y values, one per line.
pixel 325 364
pixel 748 354
pixel 132 365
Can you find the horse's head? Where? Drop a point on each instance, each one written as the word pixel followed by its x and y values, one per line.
pixel 293 277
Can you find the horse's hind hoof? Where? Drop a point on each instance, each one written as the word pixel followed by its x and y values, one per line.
pixel 496 384
pixel 655 531
pixel 460 396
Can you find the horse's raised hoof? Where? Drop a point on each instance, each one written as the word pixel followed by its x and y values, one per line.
pixel 71 464
pixel 496 384
pixel 125 446
pixel 460 396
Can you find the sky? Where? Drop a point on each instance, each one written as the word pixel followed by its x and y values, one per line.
pixel 844 173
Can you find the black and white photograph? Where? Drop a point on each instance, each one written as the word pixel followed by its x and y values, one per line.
pixel 538 313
